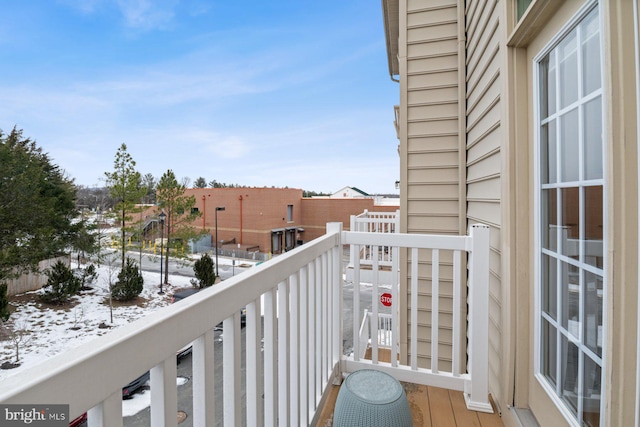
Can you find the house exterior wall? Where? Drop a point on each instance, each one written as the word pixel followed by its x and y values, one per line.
pixel 496 179
pixel 349 192
pixel 484 138
pixel 431 175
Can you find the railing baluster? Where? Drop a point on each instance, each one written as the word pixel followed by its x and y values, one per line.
pixel 304 347
pixel 356 304
pixel 164 393
pixel 270 367
pixel 203 369
pixel 108 412
pixel 318 332
pixel 414 308
pixel 435 308
pixel 254 371
pixel 457 318
pixel 374 305
pixel 325 318
pixel 231 371
pixel 294 349
pixel 395 307
pixel 312 335
pixel 283 352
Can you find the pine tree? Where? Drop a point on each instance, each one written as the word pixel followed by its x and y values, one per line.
pixel 37 206
pixel 179 210
pixel 61 284
pixel 200 183
pixel 129 284
pixel 204 272
pixel 124 186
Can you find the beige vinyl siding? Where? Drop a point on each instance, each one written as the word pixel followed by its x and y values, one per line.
pixel 484 139
pixel 431 153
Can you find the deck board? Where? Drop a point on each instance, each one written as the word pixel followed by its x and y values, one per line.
pixel 463 416
pixel 441 408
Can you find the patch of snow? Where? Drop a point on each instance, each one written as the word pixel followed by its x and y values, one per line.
pixel 55 330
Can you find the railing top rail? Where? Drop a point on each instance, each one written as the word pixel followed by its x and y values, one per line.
pixel 103 359
pixel 421 241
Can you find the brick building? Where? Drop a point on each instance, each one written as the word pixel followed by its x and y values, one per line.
pixel 273 219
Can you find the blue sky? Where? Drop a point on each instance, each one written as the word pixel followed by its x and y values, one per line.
pixel 257 93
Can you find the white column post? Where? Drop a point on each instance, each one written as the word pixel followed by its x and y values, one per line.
pixel 336 281
pixel 477 396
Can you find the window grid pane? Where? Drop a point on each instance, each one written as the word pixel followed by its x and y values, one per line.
pixel 571 220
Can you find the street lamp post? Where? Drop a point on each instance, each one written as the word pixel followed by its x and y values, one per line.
pixel 218 208
pixel 162 216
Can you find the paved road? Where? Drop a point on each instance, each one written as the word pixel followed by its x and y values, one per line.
pixel 180 267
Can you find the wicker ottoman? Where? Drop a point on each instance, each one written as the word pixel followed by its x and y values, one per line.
pixel 372 399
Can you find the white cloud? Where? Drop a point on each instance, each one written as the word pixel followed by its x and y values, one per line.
pixel 229 147
pixel 136 14
pixel 147 14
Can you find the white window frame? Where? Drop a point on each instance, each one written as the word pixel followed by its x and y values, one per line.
pixel 553 43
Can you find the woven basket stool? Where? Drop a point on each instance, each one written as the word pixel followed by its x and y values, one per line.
pixel 372 399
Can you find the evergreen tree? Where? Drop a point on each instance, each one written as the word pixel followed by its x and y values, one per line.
pixel 180 213
pixel 149 184
pixel 129 284
pixel 200 183
pixel 204 272
pixel 37 206
pixel 124 187
pixel 61 284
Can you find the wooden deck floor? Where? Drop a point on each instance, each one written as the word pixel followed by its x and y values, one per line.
pixel 430 407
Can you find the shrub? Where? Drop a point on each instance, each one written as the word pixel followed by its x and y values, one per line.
pixel 61 284
pixel 203 269
pixel 129 284
pixel 89 275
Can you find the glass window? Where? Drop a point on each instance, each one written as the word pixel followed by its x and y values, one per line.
pixel 571 220
pixel 521 6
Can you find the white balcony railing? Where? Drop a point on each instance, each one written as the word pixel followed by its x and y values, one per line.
pixel 384 332
pixel 300 296
pixel 374 222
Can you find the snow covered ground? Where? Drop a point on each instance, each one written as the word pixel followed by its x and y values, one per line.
pixel 53 330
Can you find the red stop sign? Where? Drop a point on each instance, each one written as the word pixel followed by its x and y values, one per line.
pixel 385 299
